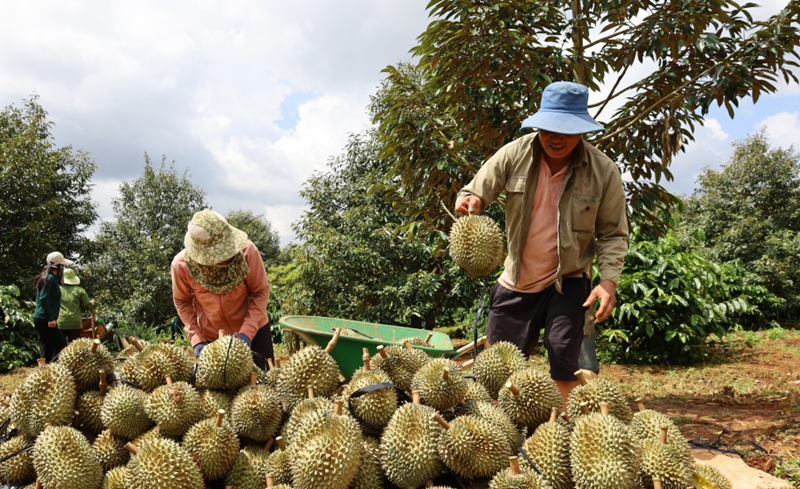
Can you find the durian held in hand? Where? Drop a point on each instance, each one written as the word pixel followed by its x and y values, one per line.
pixel 476 244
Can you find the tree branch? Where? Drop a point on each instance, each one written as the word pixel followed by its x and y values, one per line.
pixel 611 94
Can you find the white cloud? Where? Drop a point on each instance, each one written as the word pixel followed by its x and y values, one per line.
pixel 711 148
pixel 782 129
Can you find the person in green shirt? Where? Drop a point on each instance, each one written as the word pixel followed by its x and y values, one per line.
pixel 74 302
pixel 48 303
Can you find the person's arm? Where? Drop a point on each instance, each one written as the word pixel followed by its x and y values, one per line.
pixel 485 186
pixel 183 299
pixel 258 285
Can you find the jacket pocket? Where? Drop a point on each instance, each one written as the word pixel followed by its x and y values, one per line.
pixel 584 212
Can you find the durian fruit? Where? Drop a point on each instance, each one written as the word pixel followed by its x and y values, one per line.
pixel 211 401
pixel 123 412
pixel 595 392
pixel 400 364
pixel 473 447
pixel 408 449
pixel 476 245
pixel 63 459
pixel 271 483
pixel 46 396
pixel 665 462
pixel 528 396
pixel 712 475
pixel 548 448
pixel 311 366
pixel 110 450
pixel 513 478
pixel 373 408
pixel 369 475
pixel 153 433
pixel 85 358
pixel 429 485
pixel 174 407
pixel 440 384
pixel 225 363
pixel 114 479
pixel 648 425
pixel 215 444
pixel 302 410
pixel 493 414
pixel 90 404
pixel 416 340
pixel 20 467
pixel 249 469
pixel 279 464
pixel 603 453
pixel 157 361
pixel 327 451
pixel 494 365
pixel 256 411
pixel 477 392
pixel 271 378
pixel 161 463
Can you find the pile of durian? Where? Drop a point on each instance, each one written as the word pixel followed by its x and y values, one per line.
pixel 404 420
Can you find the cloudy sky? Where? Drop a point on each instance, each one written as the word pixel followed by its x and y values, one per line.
pixel 250 96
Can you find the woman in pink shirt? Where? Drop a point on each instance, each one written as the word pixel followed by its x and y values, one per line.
pixel 219 283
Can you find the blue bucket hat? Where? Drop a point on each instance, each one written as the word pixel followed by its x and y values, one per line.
pixel 564 109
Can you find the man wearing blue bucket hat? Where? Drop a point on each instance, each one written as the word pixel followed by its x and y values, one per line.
pixel 565 204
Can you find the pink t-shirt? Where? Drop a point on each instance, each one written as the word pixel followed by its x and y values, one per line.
pixel 540 257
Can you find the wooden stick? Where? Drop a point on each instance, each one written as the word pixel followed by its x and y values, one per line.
pixel 640 404
pixel 253 379
pixel 338 409
pixel 220 415
pixel 605 408
pixel 416 397
pixel 334 340
pixel 553 414
pixel 270 363
pixel 311 392
pixel 270 480
pixel 581 377
pixel 468 347
pixel 441 421
pixel 95 344
pixel 366 357
pixel 42 362
pixel 382 351
pixel 103 384
pixel 281 443
pixel 510 386
pixel 585 407
pixel 269 444
pixel 514 461
pixel 136 344
pixel 663 437
pixel 132 448
pixel 428 338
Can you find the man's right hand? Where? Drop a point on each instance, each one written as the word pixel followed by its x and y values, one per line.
pixel 468 205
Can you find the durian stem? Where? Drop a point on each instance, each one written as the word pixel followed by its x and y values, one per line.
pixel 281 443
pixel 334 340
pixel 416 397
pixel 441 421
pixel 103 384
pixel 584 407
pixel 221 333
pixel 408 344
pixel 270 480
pixel 581 377
pixel 168 379
pixel 338 409
pixel 125 344
pixel 76 419
pixel 270 363
pixel 663 437
pixel 454 218
pixel 95 344
pixel 39 484
pixel 510 386
pixel 311 392
pixel 220 415
pixel 656 483
pixel 42 362
pixel 605 408
pixel 382 352
pixel 277 363
pixel 514 461
pixel 428 483
pixel 640 404
pixel 428 338
pixel 553 414
pixel 253 378
pixel 136 344
pixel 132 448
pixel 445 374
pixel 269 444
pixel 366 357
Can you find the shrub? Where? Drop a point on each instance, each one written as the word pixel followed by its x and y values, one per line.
pixel 18 345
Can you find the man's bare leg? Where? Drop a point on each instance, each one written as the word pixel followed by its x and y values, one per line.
pixel 565 387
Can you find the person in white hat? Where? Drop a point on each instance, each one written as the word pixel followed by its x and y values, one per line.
pixel 219 283
pixel 48 302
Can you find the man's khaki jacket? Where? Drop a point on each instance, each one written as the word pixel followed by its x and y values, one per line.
pixel 591 206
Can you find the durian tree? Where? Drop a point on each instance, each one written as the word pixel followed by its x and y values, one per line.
pixel 481 67
pixel 259 230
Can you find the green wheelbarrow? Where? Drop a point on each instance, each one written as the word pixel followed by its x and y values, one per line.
pixel 348 351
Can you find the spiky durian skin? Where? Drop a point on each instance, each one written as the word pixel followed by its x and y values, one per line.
pixel 524 480
pixel 271 378
pixel 496 364
pixel 153 433
pixel 538 395
pixel 123 412
pixel 225 363
pixel 311 366
pixel 493 414
pixel 647 424
pixel 20 467
pixel 595 392
pixel 249 469
pixel 477 392
pixel 437 392
pixel 666 462
pixel 369 475
pixel 603 453
pixel 548 447
pixel 162 463
pixel 374 408
pixel 110 450
pixel 400 364
pixel 327 454
pixel 474 448
pixel 280 466
pixel 211 401
pixel 256 412
pixel 215 447
pixel 476 245
pixel 713 476
pixel 414 340
pixel 46 396
pixel 114 478
pixel 175 408
pixel 63 459
pixel 84 365
pixel 300 412
pixel 89 405
pixel 408 449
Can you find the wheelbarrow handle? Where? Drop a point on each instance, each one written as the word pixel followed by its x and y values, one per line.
pixel 466 348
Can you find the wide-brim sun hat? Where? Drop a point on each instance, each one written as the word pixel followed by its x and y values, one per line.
pixel 56 258
pixel 565 110
pixel 211 240
pixel 70 277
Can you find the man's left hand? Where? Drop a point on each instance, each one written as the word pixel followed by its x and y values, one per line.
pixel 606 292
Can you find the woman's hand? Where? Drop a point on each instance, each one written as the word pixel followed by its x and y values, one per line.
pixel 52 324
